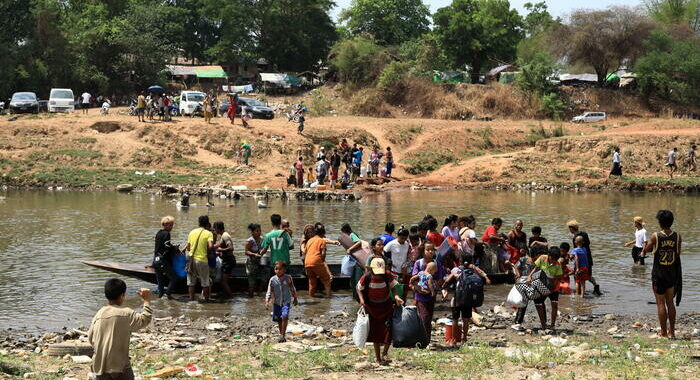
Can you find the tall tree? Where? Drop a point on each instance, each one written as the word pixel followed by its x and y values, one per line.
pixel 478 32
pixel 606 40
pixel 389 22
pixel 675 12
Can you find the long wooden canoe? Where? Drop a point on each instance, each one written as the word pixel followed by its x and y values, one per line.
pixel 239 282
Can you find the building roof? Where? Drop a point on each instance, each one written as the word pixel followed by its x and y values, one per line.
pixel 496 70
pixel 578 77
pixel 215 71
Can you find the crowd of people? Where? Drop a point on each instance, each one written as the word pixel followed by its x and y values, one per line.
pixel 672 164
pixel 328 166
pixel 383 271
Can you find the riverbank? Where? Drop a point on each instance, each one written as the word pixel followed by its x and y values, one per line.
pixel 585 345
pixel 74 151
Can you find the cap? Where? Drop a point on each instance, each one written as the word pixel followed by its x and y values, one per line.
pixel 377 265
pixel 639 219
pixel 572 223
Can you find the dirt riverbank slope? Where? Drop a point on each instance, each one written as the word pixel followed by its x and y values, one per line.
pixel 74 150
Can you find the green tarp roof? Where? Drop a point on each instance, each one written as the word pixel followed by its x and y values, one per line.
pixel 210 72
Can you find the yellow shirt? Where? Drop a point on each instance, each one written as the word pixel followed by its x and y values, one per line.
pixel 198 247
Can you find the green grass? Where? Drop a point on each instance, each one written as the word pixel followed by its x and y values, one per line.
pixel 426 161
pixel 81 153
pixel 486 135
pixel 404 134
pixel 77 177
pixel 85 140
pixel 676 181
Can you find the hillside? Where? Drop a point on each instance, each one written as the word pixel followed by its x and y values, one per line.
pixel 95 151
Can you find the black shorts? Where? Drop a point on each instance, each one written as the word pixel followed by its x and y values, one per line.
pixel 661 284
pixel 637 255
pixel 554 297
pixel 465 311
pixel 84 105
pixel 227 264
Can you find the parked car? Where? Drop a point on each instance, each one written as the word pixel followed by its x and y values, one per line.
pixel 190 101
pixel 590 117
pixel 61 100
pixel 24 102
pixel 258 109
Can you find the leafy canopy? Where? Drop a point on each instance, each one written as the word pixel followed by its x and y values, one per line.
pixel 389 22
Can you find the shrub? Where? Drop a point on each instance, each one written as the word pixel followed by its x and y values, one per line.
pixel 552 106
pixel 425 162
pixel 486 134
pixel 391 75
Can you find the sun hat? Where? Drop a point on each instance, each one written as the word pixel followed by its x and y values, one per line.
pixel 639 219
pixel 377 265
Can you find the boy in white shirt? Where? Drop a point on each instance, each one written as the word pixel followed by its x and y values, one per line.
pixel 640 239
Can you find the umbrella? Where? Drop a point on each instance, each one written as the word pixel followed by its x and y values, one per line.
pixel 156 89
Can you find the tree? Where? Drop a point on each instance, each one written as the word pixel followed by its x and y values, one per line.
pixel 537 23
pixel 670 68
pixel 478 32
pixel 535 74
pixel 389 22
pixel 607 40
pixel 675 12
pixel 359 60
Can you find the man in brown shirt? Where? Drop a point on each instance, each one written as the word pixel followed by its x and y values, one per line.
pixel 111 330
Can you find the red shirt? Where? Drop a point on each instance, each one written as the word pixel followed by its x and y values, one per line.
pixel 490 230
pixel 436 238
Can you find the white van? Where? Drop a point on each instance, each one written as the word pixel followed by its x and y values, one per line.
pixel 189 100
pixel 61 100
pixel 590 117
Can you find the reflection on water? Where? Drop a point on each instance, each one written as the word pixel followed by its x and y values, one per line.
pixel 43 235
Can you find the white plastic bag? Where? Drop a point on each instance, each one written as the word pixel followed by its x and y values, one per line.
pixel 347 267
pixel 361 329
pixel 516 299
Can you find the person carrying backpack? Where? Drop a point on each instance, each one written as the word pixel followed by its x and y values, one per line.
pixel 469 293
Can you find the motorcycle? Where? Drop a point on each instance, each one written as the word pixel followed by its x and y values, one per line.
pixel 296 114
pixel 132 108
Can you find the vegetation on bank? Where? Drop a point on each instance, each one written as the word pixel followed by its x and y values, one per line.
pixel 594 356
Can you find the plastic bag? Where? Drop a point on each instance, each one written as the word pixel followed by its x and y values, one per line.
pixel 347 267
pixel 516 299
pixel 407 329
pixel 361 329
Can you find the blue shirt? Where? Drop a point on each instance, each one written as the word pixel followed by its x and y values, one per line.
pixel 582 256
pixel 386 238
pixel 358 158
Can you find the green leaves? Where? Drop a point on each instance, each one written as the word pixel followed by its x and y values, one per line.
pixel 389 22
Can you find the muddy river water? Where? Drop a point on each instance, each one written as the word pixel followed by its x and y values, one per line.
pixel 44 234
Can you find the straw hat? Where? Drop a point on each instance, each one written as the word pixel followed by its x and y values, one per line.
pixel 639 219
pixel 377 265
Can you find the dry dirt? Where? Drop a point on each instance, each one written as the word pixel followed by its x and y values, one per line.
pixel 468 153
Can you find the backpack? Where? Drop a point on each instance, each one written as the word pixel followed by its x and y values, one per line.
pixel 469 289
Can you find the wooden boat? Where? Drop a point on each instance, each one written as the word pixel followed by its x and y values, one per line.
pixel 239 282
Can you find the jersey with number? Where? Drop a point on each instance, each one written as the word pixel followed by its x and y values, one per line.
pixel 279 243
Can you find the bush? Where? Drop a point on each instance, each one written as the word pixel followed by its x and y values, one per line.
pixel 534 75
pixel 552 106
pixel 359 60
pixel 425 162
pixel 391 75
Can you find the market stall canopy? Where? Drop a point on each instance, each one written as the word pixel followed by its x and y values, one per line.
pixel 199 71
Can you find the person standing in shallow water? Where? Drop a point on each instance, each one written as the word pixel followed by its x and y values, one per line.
pixel 574 230
pixel 666 274
pixel 640 240
pixel 163 258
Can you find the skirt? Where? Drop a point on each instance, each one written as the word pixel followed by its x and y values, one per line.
pixel 379 321
pixel 616 169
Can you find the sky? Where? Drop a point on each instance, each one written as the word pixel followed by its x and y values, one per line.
pixel 556 7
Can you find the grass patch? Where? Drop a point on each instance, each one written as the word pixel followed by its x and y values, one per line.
pixel 80 153
pixel 538 133
pixel 677 181
pixel 486 135
pixel 320 105
pixel 425 162
pixel 403 135
pixel 78 177
pixel 86 140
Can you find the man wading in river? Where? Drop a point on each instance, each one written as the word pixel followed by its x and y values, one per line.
pixel 199 242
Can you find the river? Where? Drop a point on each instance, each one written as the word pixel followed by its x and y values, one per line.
pixel 44 234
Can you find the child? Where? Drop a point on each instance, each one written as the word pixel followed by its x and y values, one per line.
pixel 423 285
pixel 537 243
pixel 580 266
pixel 521 270
pixel 374 290
pixel 460 274
pixel 564 284
pixel 550 265
pixel 282 292
pixel 640 239
pixel 666 273
pixel 111 330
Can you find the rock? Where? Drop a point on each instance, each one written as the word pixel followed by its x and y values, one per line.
pixel 81 359
pixel 612 330
pixel 29 375
pixel 536 376
pixel 216 326
pixel 609 317
pixel 125 188
pixel 363 365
